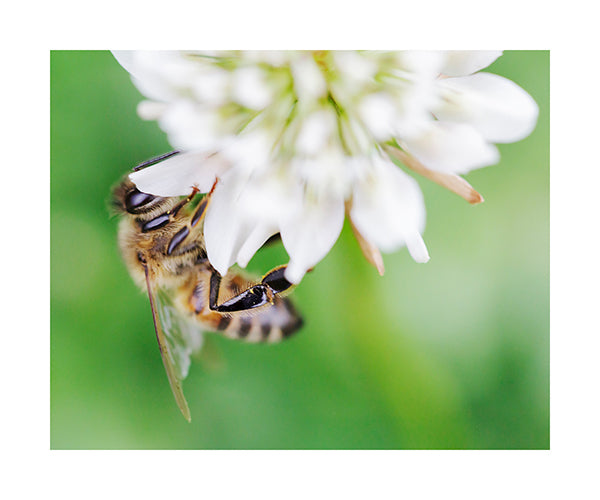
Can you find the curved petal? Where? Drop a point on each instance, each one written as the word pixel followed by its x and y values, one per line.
pixel 242 215
pixel 255 240
pixel 190 126
pixel 176 176
pixel 452 148
pixel 466 62
pixel 416 247
pixel 388 210
pixel 267 201
pixel 497 107
pixel 310 233
pixel 225 227
pixel 125 58
pixel 156 73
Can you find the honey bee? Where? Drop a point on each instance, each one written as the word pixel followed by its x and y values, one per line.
pixel 161 241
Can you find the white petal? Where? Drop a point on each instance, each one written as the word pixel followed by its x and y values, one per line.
pixel 242 215
pixel 330 172
pixel 176 176
pixel 497 107
pixel 151 110
pixel 158 74
pixel 190 126
pixel 248 150
pixel 255 240
pixel 355 66
pixel 452 148
pixel 417 248
pixel 309 235
pixel 378 113
pixel 465 62
pixel 416 95
pixel 271 57
pixel 250 88
pixel 125 58
pixel 316 131
pixel 357 138
pixel 309 82
pixel 225 227
pixel 211 86
pixel 356 72
pixel 388 210
pixel 422 63
pixel 266 201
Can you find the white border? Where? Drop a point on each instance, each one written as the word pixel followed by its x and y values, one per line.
pixel 568 469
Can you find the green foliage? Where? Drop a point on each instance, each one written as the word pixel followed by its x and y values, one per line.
pixel 449 354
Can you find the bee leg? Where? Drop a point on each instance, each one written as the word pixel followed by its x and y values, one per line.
pixel 163 219
pixel 252 297
pixel 276 281
pixel 257 295
pixel 196 218
pixel 200 211
pixel 183 203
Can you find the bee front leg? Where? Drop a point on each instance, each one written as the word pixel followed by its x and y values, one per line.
pixel 196 218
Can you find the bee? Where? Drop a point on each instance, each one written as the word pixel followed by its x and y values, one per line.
pixel 162 244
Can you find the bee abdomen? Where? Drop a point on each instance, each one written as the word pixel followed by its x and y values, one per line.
pixel 274 324
pixel 263 333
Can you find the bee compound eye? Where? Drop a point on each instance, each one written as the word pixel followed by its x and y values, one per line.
pixel 136 199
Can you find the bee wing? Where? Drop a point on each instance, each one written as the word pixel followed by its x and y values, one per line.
pixel 183 338
pixel 177 340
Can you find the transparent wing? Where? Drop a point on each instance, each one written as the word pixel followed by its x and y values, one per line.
pixel 184 339
pixel 177 340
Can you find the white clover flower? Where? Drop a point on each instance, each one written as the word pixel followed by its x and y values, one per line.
pixel 298 140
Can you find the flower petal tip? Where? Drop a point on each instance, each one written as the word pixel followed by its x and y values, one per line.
pixel 293 274
pixel 376 261
pixel 417 248
pixel 475 198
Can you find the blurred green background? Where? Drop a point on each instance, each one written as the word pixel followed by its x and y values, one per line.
pixel 449 354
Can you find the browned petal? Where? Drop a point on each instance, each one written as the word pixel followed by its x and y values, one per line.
pixel 370 251
pixel 454 183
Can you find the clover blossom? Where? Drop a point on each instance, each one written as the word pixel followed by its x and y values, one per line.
pixel 297 140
